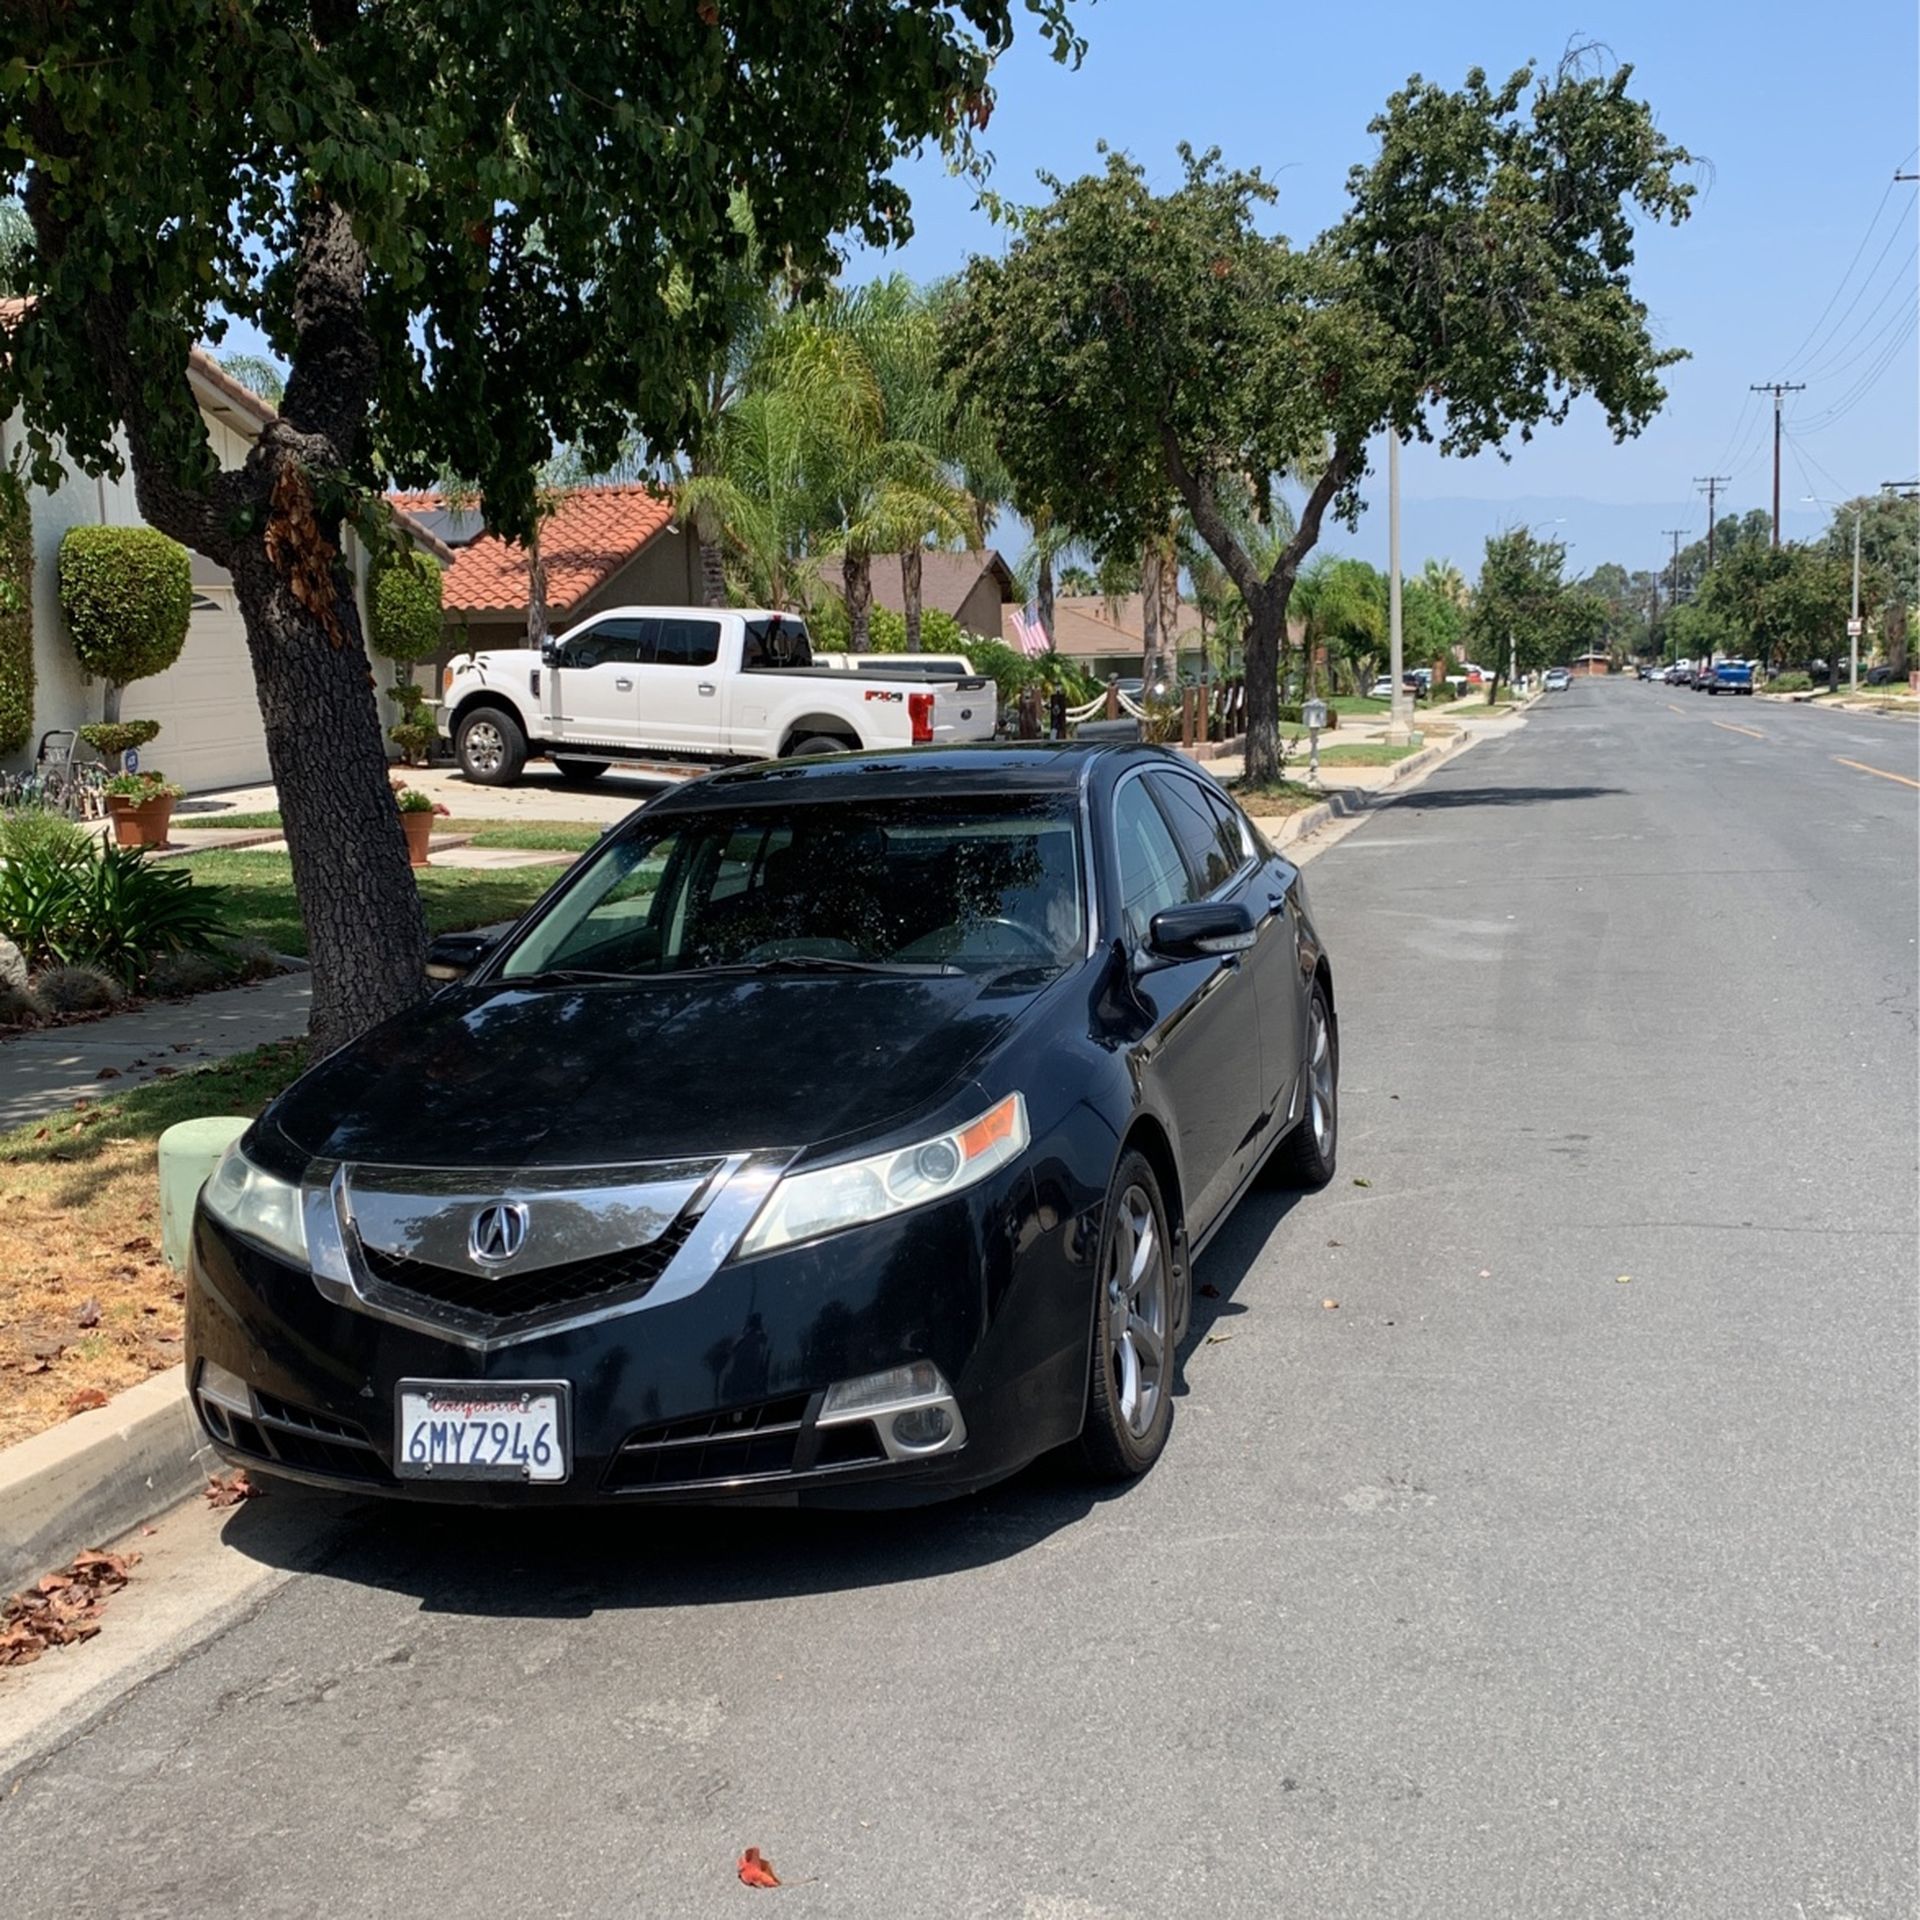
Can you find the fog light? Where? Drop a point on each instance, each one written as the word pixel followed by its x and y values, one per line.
pixel 918 1380
pixel 922 1426
pixel 224 1388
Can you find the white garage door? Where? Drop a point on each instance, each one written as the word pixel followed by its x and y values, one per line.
pixel 210 732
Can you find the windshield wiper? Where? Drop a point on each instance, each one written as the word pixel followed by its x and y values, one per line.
pixel 562 977
pixel 824 963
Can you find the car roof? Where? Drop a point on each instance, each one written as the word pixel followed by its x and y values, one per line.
pixel 1063 766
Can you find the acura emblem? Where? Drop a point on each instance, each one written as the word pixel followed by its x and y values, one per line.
pixel 499 1232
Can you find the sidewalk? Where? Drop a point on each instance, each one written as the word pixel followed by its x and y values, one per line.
pixel 42 1072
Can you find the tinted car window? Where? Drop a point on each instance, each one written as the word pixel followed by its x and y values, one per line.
pixel 776 643
pixel 1152 874
pixel 686 643
pixel 1210 840
pixel 933 882
pixel 609 643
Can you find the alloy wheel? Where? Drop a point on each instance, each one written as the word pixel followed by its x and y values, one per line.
pixel 1320 1096
pixel 483 747
pixel 1139 1312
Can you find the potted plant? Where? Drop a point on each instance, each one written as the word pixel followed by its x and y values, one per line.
pixel 111 739
pixel 140 805
pixel 417 814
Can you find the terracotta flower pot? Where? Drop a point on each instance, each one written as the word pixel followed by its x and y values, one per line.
pixel 140 823
pixel 418 827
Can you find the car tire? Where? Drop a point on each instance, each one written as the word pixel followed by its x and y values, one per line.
pixel 579 773
pixel 490 747
pixel 1129 1389
pixel 815 743
pixel 1308 1155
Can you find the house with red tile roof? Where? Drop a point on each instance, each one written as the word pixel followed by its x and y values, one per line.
pixel 973 587
pixel 612 546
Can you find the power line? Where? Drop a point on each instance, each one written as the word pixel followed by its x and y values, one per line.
pixel 1840 285
pixel 1851 349
pixel 1777 388
pixel 1866 382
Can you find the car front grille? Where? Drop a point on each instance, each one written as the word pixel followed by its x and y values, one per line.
pixel 497 1297
pixel 743 1443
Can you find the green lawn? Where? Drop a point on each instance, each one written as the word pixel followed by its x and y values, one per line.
pixel 1265 800
pixel 529 836
pixel 1363 753
pixel 260 899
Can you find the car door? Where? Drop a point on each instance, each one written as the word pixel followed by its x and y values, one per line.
pixel 1203 1052
pixel 1217 839
pixel 591 681
pixel 679 706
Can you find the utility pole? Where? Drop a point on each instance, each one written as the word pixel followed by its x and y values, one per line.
pixel 1713 482
pixel 1677 534
pixel 1777 388
pixel 1853 625
pixel 1399 732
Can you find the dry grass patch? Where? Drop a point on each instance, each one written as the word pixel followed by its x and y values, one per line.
pixel 87 1305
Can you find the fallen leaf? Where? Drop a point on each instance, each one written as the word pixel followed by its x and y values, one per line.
pixel 1363 1183
pixel 140 1243
pixel 230 1491
pixel 1208 1291
pixel 1217 1339
pixel 755 1870
pixel 1336 1243
pixel 1486 1273
pixel 1329 1303
pixel 162 1073
pixel 86 1400
pixel 1624 1280
pixel 88 1314
pixel 61 1609
pixel 108 1073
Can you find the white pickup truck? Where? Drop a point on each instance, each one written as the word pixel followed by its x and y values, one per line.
pixel 694 684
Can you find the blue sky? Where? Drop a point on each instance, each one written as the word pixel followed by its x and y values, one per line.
pixel 1802 116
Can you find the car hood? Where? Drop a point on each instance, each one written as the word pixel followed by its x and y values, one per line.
pixel 507 1075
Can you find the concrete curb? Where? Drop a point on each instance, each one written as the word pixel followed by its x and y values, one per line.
pixel 97 1475
pixel 1351 800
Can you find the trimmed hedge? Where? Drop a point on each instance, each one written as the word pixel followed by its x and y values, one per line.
pixel 16 616
pixel 127 593
pixel 404 606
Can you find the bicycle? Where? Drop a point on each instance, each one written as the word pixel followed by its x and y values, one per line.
pixel 68 776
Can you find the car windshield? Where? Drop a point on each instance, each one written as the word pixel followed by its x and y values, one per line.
pixel 924 884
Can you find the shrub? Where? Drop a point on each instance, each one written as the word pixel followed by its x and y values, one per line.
pixel 25 831
pixel 127 593
pixel 1790 683
pixel 111 738
pixel 78 989
pixel 141 787
pixel 176 974
pixel 248 958
pixel 414 738
pixel 20 1006
pixel 104 906
pixel 16 616
pixel 404 606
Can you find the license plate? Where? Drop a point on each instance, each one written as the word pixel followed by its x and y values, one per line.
pixel 482 1430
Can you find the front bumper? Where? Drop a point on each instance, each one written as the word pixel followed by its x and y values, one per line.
pixel 717 1394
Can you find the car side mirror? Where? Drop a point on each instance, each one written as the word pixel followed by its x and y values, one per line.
pixel 549 653
pixel 452 956
pixel 1210 928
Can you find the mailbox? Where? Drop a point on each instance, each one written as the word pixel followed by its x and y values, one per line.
pixel 1313 715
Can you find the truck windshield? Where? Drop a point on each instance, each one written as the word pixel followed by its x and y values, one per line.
pixel 776 641
pixel 979 884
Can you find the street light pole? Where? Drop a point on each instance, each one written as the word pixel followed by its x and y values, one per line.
pixel 1853 625
pixel 1399 730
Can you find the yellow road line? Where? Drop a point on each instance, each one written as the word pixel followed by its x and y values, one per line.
pixel 1731 726
pixel 1861 767
pixel 1671 708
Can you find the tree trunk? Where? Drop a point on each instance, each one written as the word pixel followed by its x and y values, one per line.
pixel 713 572
pixel 856 581
pixel 1151 652
pixel 1266 623
pixel 1043 593
pixel 366 930
pixel 110 702
pixel 910 594
pixel 1893 629
pixel 536 589
pixel 1170 607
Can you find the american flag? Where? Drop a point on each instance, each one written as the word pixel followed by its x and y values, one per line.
pixel 1028 634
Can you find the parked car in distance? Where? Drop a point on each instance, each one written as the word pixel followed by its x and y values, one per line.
pixel 1731 676
pixel 840 1129
pixel 700 685
pixel 1557 680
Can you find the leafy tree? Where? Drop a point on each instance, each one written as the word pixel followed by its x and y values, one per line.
pixel 1445 579
pixel 127 596
pixel 1787 604
pixel 1078 580
pixel 1343 606
pixel 1133 344
pixel 257 374
pixel 16 237
pixel 1698 630
pixel 458 228
pixel 1889 563
pixel 16 615
pixel 1525 609
pixel 1430 621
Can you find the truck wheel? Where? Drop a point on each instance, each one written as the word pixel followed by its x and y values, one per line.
pixel 579 773
pixel 490 747
pixel 815 743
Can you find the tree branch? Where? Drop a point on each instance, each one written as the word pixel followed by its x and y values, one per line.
pixel 1307 533
pixel 1196 489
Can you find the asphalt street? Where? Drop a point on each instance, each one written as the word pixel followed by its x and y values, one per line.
pixel 1565 1566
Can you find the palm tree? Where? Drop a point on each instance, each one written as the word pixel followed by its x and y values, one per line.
pixel 1445 579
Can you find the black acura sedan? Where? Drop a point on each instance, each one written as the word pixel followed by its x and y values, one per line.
pixel 838 1129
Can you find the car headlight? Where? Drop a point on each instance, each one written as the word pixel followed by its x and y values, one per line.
pixel 824 1200
pixel 257 1204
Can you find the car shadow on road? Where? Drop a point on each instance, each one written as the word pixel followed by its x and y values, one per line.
pixel 1423 798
